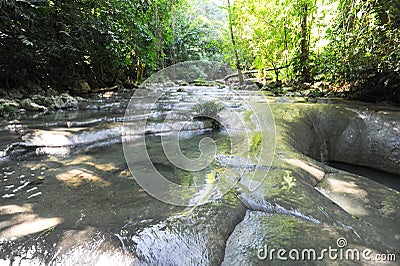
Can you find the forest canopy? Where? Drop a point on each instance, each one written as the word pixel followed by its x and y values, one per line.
pixel 350 44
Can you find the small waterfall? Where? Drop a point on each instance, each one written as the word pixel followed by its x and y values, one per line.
pixel 324 151
pixel 322 140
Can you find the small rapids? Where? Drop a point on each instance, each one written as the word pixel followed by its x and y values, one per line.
pixel 95 123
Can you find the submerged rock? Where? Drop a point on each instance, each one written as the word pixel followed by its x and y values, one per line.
pixel 300 202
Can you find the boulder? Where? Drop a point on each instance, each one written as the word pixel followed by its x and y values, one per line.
pixel 359 137
pixel 29 105
pixel 9 102
pixel 8 108
pixel 62 101
pixel 81 87
pixel 65 101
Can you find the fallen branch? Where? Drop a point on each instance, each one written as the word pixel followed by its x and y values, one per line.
pixel 113 88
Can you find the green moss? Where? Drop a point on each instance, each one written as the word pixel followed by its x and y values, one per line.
pixel 256 141
pixel 247 119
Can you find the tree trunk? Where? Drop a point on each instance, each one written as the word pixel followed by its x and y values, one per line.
pixel 173 48
pixel 286 41
pixel 238 67
pixel 305 74
pixel 276 71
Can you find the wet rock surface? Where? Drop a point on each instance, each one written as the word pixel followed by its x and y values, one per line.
pixel 361 136
pixel 37 103
pixel 67 196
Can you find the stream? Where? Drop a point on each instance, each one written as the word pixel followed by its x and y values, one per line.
pixel 66 189
pixel 67 196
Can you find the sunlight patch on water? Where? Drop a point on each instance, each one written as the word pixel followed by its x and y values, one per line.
pixel 77 177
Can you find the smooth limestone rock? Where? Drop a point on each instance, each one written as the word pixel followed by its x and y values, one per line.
pixel 263 234
pixel 195 237
pixel 363 198
pixel 360 137
pixel 300 204
pixel 305 204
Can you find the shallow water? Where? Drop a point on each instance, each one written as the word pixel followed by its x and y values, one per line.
pixel 66 190
pixel 387 179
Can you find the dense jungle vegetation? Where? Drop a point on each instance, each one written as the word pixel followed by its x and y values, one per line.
pixel 352 45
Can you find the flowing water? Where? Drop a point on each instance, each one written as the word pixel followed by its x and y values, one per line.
pixel 66 190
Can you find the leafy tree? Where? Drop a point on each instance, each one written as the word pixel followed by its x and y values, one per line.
pixel 270 33
pixel 54 43
pixel 364 50
pixel 233 40
pixel 197 31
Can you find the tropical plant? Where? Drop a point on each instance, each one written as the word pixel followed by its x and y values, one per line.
pixel 208 109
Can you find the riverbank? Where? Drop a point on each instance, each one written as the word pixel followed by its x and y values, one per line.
pixel 19 101
pixel 13 105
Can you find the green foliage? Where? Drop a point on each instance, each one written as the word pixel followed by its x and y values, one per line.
pixel 364 50
pixel 197 32
pixel 256 141
pixel 316 93
pixel 270 34
pixel 8 111
pixel 53 43
pixel 345 42
pixel 208 109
